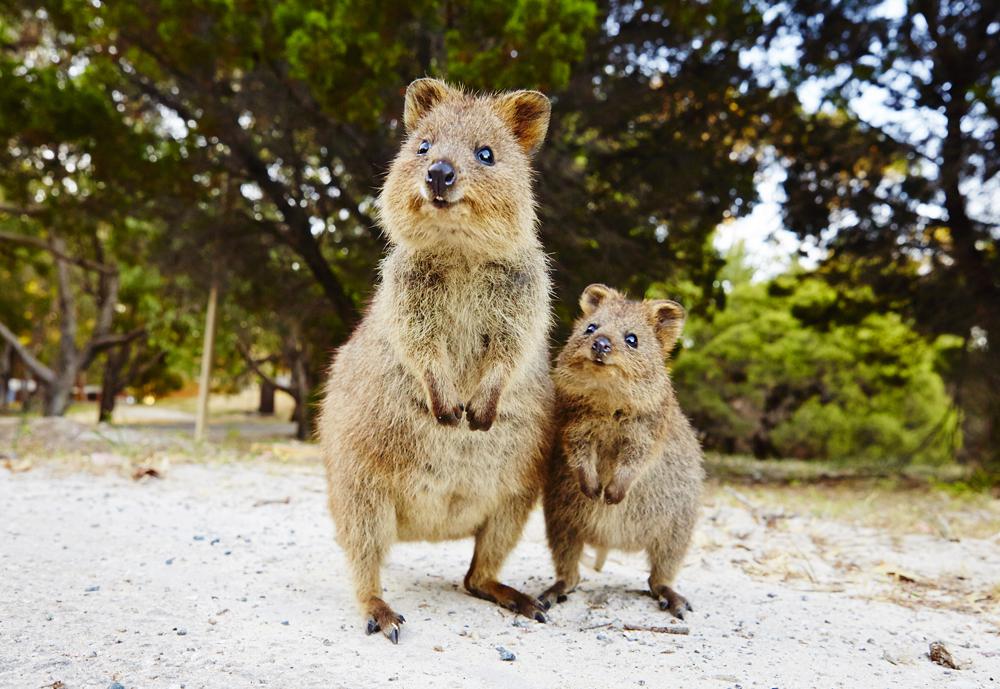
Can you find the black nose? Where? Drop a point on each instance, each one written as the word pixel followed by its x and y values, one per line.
pixel 601 345
pixel 440 176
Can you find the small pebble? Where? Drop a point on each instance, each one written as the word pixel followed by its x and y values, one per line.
pixel 169 561
pixel 91 589
pixel 115 685
pixel 602 637
pixel 284 622
pixel 506 655
pixel 199 537
pixel 182 631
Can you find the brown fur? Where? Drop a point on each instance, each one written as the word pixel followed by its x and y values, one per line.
pixel 627 470
pixel 458 327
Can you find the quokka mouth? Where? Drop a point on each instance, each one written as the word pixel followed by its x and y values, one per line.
pixel 440 202
pixel 590 363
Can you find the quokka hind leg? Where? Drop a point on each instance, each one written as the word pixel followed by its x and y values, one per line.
pixel 566 546
pixel 366 529
pixel 494 541
pixel 665 559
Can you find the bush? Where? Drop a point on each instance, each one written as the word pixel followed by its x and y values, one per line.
pixel 795 368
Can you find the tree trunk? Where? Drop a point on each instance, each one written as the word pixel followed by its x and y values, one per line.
pixel 6 371
pixel 58 393
pixel 301 388
pixel 266 406
pixel 111 382
pixel 205 379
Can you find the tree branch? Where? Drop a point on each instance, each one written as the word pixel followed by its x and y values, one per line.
pixel 101 343
pixel 255 367
pixel 57 252
pixel 39 369
pixel 299 235
pixel 21 210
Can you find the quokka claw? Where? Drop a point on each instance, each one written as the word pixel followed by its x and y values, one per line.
pixel 382 618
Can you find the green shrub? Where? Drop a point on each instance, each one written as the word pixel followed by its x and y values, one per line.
pixel 795 368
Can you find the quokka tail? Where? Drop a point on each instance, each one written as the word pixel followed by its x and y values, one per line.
pixel 600 557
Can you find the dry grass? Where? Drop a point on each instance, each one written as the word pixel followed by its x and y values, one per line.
pixel 882 505
pixel 934 501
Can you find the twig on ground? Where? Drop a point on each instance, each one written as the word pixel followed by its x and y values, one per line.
pixel 275 501
pixel 673 629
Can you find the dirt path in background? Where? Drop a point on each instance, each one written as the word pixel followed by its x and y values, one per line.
pixel 227 576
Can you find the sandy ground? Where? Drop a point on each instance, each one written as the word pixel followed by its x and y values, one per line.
pixel 226 575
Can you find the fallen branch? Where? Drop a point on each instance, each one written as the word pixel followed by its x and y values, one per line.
pixel 674 629
pixel 671 629
pixel 276 501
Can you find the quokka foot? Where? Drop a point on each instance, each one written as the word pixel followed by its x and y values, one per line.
pixel 382 618
pixel 512 599
pixel 671 601
pixel 557 593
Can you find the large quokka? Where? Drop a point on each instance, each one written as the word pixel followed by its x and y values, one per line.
pixel 627 471
pixel 458 327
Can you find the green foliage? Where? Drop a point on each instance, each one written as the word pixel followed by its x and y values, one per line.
pixel 242 143
pixel 910 210
pixel 527 43
pixel 789 369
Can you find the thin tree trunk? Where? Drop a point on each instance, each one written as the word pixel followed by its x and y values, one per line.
pixel 111 382
pixel 301 388
pixel 6 369
pixel 267 391
pixel 205 379
pixel 59 391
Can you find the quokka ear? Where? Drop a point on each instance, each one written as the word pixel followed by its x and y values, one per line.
pixel 421 97
pixel 668 321
pixel 593 295
pixel 527 115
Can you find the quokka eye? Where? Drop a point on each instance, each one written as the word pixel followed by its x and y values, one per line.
pixel 631 340
pixel 484 154
pixel 590 329
pixel 424 146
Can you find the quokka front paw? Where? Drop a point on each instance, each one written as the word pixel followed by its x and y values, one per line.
pixel 447 414
pixel 442 406
pixel 615 492
pixel 617 489
pixel 590 484
pixel 482 410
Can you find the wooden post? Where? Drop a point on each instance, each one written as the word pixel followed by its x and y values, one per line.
pixel 205 379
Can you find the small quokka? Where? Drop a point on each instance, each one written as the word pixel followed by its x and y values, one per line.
pixel 458 327
pixel 627 470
